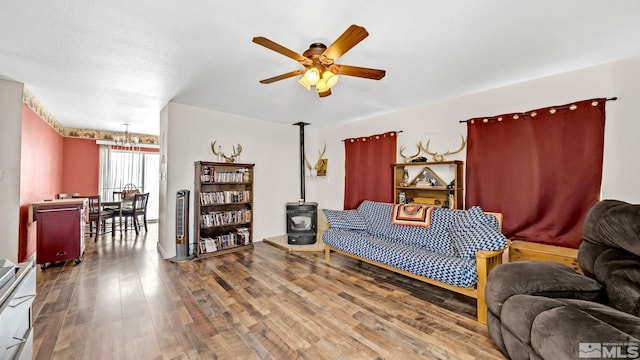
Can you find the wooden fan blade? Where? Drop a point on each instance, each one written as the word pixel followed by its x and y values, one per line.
pixel 349 70
pixel 282 76
pixel 271 45
pixel 350 38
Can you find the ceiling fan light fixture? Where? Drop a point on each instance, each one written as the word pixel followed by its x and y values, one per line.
pixel 319 67
pixel 312 76
pixel 321 86
pixel 330 78
pixel 303 81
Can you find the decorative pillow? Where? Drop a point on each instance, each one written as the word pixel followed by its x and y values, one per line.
pixel 345 219
pixel 491 221
pixel 471 231
pixel 412 215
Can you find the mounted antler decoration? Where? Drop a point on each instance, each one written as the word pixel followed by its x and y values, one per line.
pixel 408 159
pixel 321 165
pixel 231 158
pixel 440 157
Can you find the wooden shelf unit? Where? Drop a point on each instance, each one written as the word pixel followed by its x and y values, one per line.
pixel 440 194
pixel 223 207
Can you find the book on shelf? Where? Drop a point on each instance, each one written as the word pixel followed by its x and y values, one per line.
pixel 243 235
pixel 240 236
pixel 238 176
pixel 219 218
pixel 207 245
pixel 225 197
pixel 207 174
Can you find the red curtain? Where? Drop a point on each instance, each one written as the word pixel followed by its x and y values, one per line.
pixel 369 169
pixel 542 169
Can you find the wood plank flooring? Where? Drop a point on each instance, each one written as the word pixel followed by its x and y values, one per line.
pixel 125 302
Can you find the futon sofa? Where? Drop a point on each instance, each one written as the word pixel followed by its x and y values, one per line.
pixel 453 249
pixel 547 310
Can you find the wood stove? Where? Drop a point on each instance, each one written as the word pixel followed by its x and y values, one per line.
pixel 302 217
pixel 302 223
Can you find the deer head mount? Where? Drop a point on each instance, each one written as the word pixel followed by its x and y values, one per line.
pixel 320 166
pixel 231 158
pixel 438 156
pixel 408 159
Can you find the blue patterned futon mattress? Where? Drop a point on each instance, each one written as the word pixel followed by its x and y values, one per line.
pixel 447 269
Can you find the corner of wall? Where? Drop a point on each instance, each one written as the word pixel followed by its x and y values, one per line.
pixel 10 148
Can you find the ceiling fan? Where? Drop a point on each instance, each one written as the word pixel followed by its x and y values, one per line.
pixel 320 69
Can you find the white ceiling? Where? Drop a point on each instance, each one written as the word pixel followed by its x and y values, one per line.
pixel 100 64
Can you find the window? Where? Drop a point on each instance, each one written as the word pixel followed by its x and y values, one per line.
pixel 121 167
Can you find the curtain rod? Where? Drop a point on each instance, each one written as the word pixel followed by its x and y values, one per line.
pixel 609 99
pixel 397 131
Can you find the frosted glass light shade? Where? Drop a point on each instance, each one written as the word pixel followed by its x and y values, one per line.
pixel 321 86
pixel 330 78
pixel 303 81
pixel 312 76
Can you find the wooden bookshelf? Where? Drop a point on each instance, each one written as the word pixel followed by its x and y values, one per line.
pixel 223 208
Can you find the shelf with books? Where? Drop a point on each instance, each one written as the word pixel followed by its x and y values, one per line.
pixel 224 207
pixel 225 197
pixel 438 184
pixel 227 241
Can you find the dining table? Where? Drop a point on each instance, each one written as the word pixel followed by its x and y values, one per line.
pixel 115 207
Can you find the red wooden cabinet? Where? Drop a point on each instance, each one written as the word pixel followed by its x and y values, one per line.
pixel 60 227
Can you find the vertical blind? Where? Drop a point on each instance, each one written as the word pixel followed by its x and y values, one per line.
pixel 119 168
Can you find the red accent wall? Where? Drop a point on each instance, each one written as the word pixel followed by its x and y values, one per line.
pixel 52 164
pixel 80 166
pixel 40 172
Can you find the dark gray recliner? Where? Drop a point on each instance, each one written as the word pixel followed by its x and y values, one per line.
pixel 546 310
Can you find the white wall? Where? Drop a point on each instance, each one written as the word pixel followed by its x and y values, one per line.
pixel 10 142
pixel 164 240
pixel 622 134
pixel 440 123
pixel 186 134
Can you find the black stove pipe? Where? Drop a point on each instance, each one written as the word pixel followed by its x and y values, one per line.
pixel 302 125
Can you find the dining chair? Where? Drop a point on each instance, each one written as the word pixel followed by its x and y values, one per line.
pixel 116 195
pixel 130 186
pixel 67 195
pixel 127 194
pixel 137 209
pixel 94 213
pixel 97 215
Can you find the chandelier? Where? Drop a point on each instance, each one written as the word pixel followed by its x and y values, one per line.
pixel 127 141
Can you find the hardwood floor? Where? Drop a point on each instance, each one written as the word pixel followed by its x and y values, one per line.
pixel 125 302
